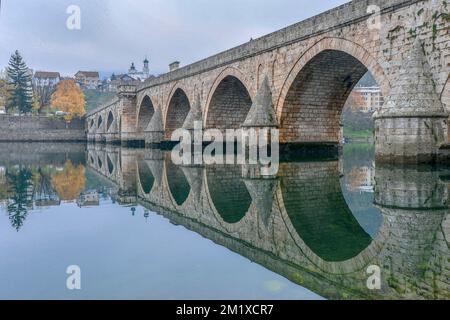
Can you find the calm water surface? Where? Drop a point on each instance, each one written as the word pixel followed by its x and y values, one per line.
pixel 140 227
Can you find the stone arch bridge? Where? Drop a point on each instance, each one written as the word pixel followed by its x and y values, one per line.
pixel 307 71
pixel 298 224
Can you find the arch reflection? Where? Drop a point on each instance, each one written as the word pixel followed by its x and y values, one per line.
pixel 228 192
pixel 317 209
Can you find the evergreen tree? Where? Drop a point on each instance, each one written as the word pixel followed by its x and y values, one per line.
pixel 20 182
pixel 21 94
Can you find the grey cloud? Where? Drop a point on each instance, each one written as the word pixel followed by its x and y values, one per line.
pixel 114 33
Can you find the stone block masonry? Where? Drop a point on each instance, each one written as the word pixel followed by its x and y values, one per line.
pixel 41 129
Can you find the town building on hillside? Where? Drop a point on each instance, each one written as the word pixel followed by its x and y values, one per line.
pixel 373 99
pixel 46 79
pixel 88 79
pixel 115 81
pixel 111 84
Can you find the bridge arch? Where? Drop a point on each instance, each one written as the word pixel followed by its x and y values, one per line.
pixel 177 111
pixel 144 113
pixel 313 96
pixel 110 121
pixel 99 122
pixel 229 101
pixel 91 125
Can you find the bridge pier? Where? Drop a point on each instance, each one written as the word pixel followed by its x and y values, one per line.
pixel 412 125
pixel 154 134
pixel 127 106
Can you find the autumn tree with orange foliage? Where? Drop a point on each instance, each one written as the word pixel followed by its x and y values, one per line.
pixel 69 98
pixel 70 182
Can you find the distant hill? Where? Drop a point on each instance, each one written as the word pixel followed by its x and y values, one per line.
pixel 95 98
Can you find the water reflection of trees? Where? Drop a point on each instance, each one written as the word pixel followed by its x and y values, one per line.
pixel 20 191
pixel 22 188
pixel 70 182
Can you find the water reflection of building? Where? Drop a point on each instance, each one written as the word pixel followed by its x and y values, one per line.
pixel 88 199
pixel 361 179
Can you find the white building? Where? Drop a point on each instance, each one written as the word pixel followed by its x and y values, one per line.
pixel 46 79
pixel 88 79
pixel 140 75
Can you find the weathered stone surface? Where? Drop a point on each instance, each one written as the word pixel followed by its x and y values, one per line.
pixel 262 113
pixel 195 115
pixel 413 93
pixel 154 133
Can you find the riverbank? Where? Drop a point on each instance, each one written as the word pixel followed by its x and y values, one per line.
pixel 352 135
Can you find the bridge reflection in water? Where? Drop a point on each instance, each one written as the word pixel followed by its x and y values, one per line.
pixel 298 224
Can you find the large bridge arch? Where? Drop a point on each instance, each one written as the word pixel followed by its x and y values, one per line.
pixel 145 112
pixel 316 89
pixel 229 101
pixel 177 110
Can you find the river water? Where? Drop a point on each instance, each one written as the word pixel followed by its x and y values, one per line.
pixel 138 227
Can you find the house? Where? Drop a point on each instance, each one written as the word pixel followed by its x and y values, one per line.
pixel 88 79
pixel 112 84
pixel 372 98
pixel 46 79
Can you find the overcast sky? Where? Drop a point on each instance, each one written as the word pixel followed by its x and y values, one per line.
pixel 116 32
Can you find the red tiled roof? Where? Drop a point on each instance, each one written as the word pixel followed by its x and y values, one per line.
pixel 88 74
pixel 47 74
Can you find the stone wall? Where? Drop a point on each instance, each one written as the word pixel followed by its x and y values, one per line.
pixel 40 129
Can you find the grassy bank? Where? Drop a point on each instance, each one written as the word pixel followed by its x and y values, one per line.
pixel 352 134
pixel 96 98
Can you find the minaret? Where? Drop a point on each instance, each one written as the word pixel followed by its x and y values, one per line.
pixel 146 70
pixel 132 69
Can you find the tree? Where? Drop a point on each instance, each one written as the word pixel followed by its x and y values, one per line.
pixel 19 80
pixel 42 97
pixel 21 185
pixel 69 98
pixel 4 92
